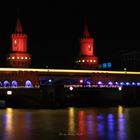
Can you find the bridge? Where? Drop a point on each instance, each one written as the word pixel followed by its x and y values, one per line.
pixel 33 77
pixel 31 87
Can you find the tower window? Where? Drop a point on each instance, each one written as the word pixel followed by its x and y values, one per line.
pixel 89 47
pixel 15 43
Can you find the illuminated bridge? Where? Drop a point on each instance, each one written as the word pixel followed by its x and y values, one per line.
pixel 33 78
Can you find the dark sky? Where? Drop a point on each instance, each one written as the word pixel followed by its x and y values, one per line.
pixel 54 29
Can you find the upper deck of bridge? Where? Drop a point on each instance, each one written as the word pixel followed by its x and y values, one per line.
pixel 67 71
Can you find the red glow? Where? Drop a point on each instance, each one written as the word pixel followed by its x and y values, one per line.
pixel 87 60
pixel 19 56
pixel 19 42
pixel 81 127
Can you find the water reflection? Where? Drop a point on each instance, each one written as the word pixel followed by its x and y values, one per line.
pixel 8 121
pixel 72 123
pixel 111 127
pixel 16 124
pixel 81 123
pixel 100 125
pixel 97 124
pixel 121 124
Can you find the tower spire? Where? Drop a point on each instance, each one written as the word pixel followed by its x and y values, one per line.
pixel 86 33
pixel 18 26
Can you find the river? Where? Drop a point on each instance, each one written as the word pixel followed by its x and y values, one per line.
pixel 90 123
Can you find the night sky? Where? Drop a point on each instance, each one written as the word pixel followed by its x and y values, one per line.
pixel 54 30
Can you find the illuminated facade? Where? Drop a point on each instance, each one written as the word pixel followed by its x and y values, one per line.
pixel 19 58
pixel 87 60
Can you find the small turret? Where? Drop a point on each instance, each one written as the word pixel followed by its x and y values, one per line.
pixel 18 26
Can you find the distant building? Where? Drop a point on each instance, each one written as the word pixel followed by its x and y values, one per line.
pixel 86 59
pixel 130 60
pixel 19 58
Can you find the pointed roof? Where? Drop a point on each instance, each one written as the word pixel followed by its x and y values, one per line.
pixel 86 33
pixel 18 26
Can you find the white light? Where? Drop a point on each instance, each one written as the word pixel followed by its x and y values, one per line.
pixel 21 57
pixel 125 69
pixel 81 81
pixel 9 92
pixel 17 57
pixel 83 60
pixel 13 57
pixel 71 88
pixel 25 57
pixel 94 60
pixel 119 88
pixel 50 80
pixel 90 60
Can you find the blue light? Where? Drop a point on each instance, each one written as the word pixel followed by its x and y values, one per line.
pixel 133 83
pixel 104 65
pixel 110 116
pixel 116 83
pixel 138 83
pixel 100 83
pixel 121 83
pixel 127 83
pixel 100 117
pixel 110 83
pixel 109 64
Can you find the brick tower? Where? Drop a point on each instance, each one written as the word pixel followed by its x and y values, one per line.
pixel 86 59
pixel 19 58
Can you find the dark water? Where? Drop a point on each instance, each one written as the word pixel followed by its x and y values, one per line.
pixel 70 124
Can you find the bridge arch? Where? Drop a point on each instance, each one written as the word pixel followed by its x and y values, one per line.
pixel 6 84
pixel 14 84
pixel 28 84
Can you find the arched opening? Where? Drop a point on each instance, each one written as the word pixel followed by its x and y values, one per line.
pixel 6 84
pixel 14 84
pixel 28 84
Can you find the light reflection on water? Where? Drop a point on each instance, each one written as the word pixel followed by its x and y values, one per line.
pixel 70 124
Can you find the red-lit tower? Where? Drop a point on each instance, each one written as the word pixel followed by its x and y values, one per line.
pixel 87 60
pixel 19 58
